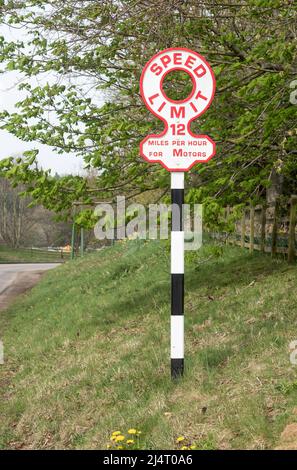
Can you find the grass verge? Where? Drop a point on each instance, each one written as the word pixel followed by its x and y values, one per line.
pixel 87 352
pixel 26 255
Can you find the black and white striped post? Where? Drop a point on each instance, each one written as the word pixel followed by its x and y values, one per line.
pixel 177 149
pixel 177 275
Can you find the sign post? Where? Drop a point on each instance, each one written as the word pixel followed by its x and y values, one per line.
pixel 177 149
pixel 177 275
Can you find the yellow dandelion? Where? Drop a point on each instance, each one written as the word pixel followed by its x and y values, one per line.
pixel 108 446
pixel 193 447
pixel 120 447
pixel 138 433
pixel 113 438
pixel 130 441
pixel 119 438
pixel 132 431
pixel 184 448
pixel 180 439
pixel 116 433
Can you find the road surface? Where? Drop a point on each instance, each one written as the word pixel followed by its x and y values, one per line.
pixel 17 278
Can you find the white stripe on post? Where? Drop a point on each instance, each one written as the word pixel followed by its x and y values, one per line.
pixel 177 252
pixel 177 336
pixel 177 180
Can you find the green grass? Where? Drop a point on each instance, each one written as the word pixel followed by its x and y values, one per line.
pixel 26 255
pixel 87 352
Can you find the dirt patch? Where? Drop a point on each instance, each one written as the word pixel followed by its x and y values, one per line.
pixel 288 439
pixel 22 282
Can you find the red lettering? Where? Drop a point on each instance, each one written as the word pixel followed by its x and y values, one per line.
pixel 199 95
pixel 190 61
pixel 153 97
pixel 165 60
pixel 177 153
pixel 156 69
pixel 178 129
pixel 202 71
pixel 175 112
pixel 162 106
pixel 177 58
pixel 194 107
pixel 184 153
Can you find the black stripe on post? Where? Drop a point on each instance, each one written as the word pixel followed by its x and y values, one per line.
pixel 177 294
pixel 177 200
pixel 177 368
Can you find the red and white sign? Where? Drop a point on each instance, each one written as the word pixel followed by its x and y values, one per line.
pixel 177 148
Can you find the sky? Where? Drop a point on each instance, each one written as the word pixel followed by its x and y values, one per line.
pixel 11 145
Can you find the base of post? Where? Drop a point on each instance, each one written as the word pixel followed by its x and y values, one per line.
pixel 177 368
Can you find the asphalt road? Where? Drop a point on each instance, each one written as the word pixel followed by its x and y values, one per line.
pixel 17 278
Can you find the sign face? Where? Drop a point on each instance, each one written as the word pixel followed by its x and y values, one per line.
pixel 177 148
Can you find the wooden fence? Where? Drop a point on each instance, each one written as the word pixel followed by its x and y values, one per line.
pixel 268 229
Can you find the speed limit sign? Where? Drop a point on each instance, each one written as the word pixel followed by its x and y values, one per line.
pixel 177 148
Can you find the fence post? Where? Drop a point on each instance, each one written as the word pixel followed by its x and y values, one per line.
pixel 263 229
pixel 242 239
pixel 82 241
pixel 252 228
pixel 274 229
pixel 291 244
pixel 72 240
pixel 227 217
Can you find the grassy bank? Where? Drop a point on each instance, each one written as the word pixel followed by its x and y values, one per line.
pixel 26 255
pixel 87 352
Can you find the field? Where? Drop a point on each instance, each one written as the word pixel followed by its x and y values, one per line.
pixel 87 352
pixel 26 255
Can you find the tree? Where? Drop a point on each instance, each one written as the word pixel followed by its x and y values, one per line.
pixel 13 220
pixel 24 224
pixel 103 46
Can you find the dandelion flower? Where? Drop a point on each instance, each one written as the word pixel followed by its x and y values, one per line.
pixel 180 439
pixel 116 433
pixel 130 441
pixel 184 448
pixel 193 447
pixel 132 431
pixel 119 438
pixel 120 447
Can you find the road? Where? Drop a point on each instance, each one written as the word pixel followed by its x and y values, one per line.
pixel 17 278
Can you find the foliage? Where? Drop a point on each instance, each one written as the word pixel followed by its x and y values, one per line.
pixel 95 51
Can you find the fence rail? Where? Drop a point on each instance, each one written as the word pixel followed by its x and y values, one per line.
pixel 270 229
